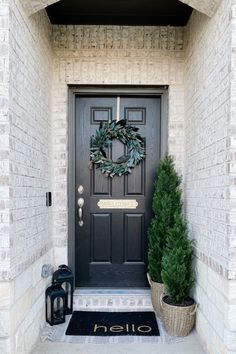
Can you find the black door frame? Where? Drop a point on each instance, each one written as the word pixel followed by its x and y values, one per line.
pixel 82 90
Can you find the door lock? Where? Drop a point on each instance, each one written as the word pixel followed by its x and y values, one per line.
pixel 80 189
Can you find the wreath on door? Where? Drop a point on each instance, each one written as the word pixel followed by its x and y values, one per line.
pixel 126 134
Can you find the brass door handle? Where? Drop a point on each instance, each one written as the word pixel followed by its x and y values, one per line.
pixel 80 211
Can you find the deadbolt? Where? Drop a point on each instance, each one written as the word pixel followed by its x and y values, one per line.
pixel 80 189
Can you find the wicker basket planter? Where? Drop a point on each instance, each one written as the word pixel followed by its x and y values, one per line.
pixel 157 292
pixel 178 320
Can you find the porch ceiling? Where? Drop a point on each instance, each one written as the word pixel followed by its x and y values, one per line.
pixel 207 7
pixel 120 12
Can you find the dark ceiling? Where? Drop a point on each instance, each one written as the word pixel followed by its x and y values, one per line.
pixel 120 12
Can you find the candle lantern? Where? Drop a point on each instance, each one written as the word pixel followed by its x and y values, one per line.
pixel 64 276
pixel 55 304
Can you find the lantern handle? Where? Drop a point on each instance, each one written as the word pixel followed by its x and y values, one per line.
pixel 56 283
pixel 64 266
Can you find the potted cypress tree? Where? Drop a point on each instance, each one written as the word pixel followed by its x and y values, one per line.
pixel 166 201
pixel 177 273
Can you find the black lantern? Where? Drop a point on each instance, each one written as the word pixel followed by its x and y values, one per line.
pixel 55 304
pixel 64 276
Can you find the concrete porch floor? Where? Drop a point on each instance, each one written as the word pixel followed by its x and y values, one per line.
pixel 190 345
pixel 113 300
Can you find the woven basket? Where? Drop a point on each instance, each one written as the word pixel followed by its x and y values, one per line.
pixel 157 292
pixel 178 320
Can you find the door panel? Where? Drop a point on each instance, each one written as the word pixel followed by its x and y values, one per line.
pixel 111 246
pixel 133 237
pixel 101 238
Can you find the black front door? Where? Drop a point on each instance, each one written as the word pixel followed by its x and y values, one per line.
pixel 111 245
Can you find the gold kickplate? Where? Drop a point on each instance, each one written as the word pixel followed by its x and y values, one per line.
pixel 117 203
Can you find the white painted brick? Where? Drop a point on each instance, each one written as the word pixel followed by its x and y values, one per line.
pixel 22 283
pixel 230 316
pixel 230 339
pixel 30 129
pixel 5 324
pixel 6 294
pixel 207 7
pixel 33 6
pixel 6 346
pixel 208 166
pixel 60 255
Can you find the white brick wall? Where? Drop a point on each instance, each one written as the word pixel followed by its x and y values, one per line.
pixel 33 6
pixel 209 174
pixel 22 308
pixel 25 173
pixel 207 112
pixel 30 136
pixel 27 313
pixel 207 7
pixel 232 151
pixel 4 138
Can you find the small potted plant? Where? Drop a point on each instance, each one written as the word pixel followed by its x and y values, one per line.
pixel 177 273
pixel 166 201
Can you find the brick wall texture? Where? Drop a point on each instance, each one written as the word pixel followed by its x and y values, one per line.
pixel 30 136
pixel 37 63
pixel 4 137
pixel 25 165
pixel 207 7
pixel 209 175
pixel 33 6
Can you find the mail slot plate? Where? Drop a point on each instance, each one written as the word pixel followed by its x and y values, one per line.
pixel 117 203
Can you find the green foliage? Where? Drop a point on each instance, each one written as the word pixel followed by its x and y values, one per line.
pixel 125 133
pixel 170 251
pixel 177 272
pixel 166 202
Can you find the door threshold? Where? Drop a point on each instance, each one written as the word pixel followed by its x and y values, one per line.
pixel 112 291
pixel 112 299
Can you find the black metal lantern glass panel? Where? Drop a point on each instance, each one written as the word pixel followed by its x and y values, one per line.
pixel 64 276
pixel 55 304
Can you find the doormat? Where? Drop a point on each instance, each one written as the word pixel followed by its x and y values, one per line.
pixel 93 323
pixel 57 334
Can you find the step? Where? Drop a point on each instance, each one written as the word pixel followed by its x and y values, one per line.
pixel 114 299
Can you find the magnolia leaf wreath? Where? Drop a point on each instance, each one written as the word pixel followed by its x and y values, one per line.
pixel 126 134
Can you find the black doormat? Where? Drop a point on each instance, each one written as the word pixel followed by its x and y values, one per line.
pixel 87 323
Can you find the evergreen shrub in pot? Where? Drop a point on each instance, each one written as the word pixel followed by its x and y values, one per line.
pixel 177 273
pixel 166 202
